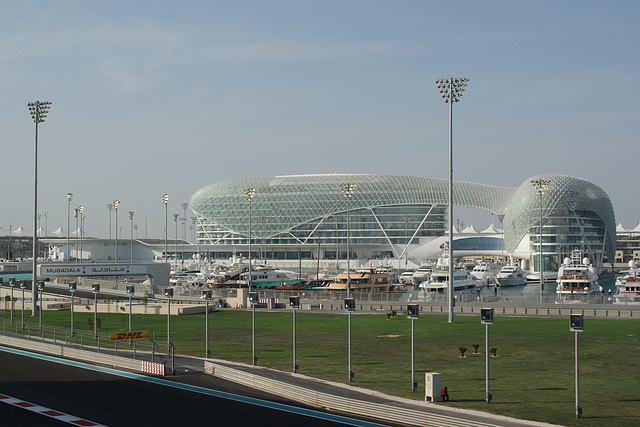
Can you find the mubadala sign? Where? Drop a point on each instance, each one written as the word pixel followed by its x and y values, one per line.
pixel 92 270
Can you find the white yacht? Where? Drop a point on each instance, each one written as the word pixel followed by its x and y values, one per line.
pixel 422 273
pixel 628 285
pixel 511 275
pixel 577 279
pixel 482 271
pixel 406 278
pixel 438 282
pixel 265 276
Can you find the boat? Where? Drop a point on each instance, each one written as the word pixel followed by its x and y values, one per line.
pixel 577 279
pixel 386 267
pixel 511 275
pixel 422 273
pixel 406 278
pixel 628 285
pixel 482 271
pixel 265 276
pixel 438 282
pixel 363 279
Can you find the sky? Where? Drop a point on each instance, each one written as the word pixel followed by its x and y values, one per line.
pixel 155 97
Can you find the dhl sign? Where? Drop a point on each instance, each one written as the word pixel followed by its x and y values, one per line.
pixel 133 335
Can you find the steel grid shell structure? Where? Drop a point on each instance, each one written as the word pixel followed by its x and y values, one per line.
pixel 300 209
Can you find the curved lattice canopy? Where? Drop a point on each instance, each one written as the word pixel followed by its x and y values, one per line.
pixel 289 201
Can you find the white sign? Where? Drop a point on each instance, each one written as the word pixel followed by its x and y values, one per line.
pixel 92 270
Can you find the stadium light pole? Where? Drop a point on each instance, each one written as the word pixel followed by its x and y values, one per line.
pixel 451 90
pixel 38 110
pixel 131 213
pixel 248 194
pixel 183 220
pixel 110 208
pixel 69 197
pixel 165 202
pixel 77 213
pixel 115 209
pixel 347 191
pixel 406 242
pixel 175 243
pixel 541 186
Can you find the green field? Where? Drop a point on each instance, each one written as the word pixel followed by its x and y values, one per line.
pixel 531 378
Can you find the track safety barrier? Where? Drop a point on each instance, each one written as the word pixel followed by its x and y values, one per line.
pixel 381 411
pixel 153 368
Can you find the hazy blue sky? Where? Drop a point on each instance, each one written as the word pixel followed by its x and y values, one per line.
pixel 154 97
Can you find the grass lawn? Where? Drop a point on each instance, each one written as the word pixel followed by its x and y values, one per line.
pixel 532 376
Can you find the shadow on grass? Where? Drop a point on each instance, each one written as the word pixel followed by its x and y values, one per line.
pixel 551 388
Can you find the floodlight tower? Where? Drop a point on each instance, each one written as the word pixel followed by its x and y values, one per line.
pixel 165 201
pixel 115 209
pixel 347 191
pixel 541 186
pixel 38 110
pixel 451 90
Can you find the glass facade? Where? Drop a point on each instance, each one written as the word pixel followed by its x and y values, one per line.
pixel 388 211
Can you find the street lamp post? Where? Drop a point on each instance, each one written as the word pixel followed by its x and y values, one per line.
pixel 413 312
pixel 72 290
pixel 541 186
pixel 165 202
pixel 168 292
pixel 294 303
pixel 110 208
pixel 69 197
pixel 451 90
pixel 12 283
pixel 486 318
pixel 183 220
pixel 131 213
pixel 350 304
pixel 115 209
pixel 406 242
pixel 22 286
pixel 77 213
pixel 96 288
pixel 41 290
pixel 347 191
pixel 253 296
pixel 130 290
pixel 175 243
pixel 207 297
pixel 248 194
pixel 577 326
pixel 38 110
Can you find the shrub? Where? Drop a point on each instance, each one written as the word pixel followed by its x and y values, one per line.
pixel 494 350
pixel 462 351
pixel 475 348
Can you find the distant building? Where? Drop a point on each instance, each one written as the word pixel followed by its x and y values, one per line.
pixel 304 216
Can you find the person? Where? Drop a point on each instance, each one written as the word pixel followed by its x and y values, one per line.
pixel 444 393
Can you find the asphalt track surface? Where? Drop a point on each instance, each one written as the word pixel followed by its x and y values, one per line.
pixel 114 400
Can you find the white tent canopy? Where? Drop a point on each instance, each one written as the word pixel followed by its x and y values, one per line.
pixel 492 230
pixel 470 230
